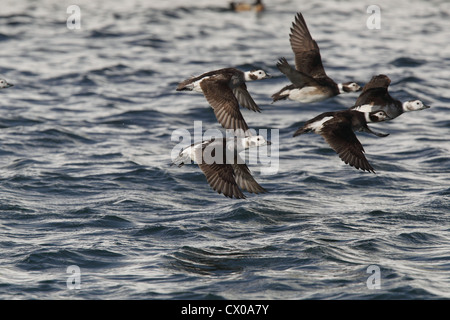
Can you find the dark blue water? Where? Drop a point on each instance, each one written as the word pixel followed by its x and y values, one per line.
pixel 85 138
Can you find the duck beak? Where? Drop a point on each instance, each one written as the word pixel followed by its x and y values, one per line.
pixel 268 76
pixel 268 142
pixel 426 107
pixel 9 85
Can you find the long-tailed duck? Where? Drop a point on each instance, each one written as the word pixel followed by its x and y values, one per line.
pixel 375 96
pixel 310 83
pixel 337 128
pixel 225 89
pixel 257 6
pixel 4 84
pixel 225 171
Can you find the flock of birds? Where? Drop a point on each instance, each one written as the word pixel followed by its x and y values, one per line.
pixel 225 90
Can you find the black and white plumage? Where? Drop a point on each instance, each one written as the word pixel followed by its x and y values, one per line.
pixel 337 128
pixel 225 171
pixel 310 82
pixel 5 84
pixel 225 90
pixel 375 96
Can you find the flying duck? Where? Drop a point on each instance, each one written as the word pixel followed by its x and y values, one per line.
pixel 4 84
pixel 225 90
pixel 225 171
pixel 310 83
pixel 337 128
pixel 375 96
pixel 257 6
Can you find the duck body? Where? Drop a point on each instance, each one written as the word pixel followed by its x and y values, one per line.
pixel 375 96
pixel 337 128
pixel 219 160
pixel 309 81
pixel 225 90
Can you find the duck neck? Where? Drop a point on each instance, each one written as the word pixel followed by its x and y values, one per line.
pixel 248 76
pixel 405 106
pixel 367 117
pixel 240 143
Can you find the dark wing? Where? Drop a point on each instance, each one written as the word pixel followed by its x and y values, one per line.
pixel 306 50
pixel 374 96
pixel 245 180
pixel 378 81
pixel 182 85
pixel 343 140
pixel 298 78
pixel 306 128
pixel 279 95
pixel 378 134
pixel 375 93
pixel 221 178
pixel 244 98
pixel 225 105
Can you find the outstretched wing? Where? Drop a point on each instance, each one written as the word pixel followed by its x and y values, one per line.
pixel 374 97
pixel 298 78
pixel 378 81
pixel 375 93
pixel 306 50
pixel 244 98
pixel 245 180
pixel 343 140
pixel 224 103
pixel 221 178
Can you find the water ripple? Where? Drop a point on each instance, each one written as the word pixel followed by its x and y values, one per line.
pixel 85 156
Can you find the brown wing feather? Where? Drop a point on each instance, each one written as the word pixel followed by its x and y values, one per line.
pixel 375 92
pixel 221 178
pixel 378 81
pixel 245 180
pixel 374 96
pixel 298 78
pixel 224 103
pixel 306 50
pixel 244 98
pixel 343 140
